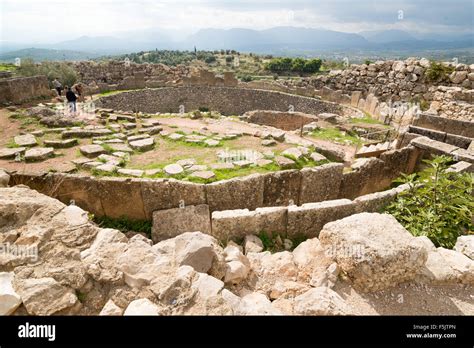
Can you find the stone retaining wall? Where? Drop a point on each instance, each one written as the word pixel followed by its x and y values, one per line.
pixel 227 100
pixel 23 89
pixel 137 199
pixel 283 120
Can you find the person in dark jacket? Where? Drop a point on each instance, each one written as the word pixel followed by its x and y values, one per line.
pixel 71 99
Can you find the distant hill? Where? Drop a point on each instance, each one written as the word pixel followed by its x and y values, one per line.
pixel 274 38
pixel 42 54
pixel 278 41
pixel 384 36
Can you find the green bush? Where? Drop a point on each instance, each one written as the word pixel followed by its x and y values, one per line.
pixel 296 65
pixel 65 73
pixel 438 204
pixel 438 72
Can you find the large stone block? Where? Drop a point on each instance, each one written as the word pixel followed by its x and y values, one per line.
pixel 121 197
pixel 281 188
pixel 78 189
pixel 238 193
pixel 374 202
pixel 170 223
pixel 236 224
pixel 320 183
pixel 309 219
pixel 169 193
pixel 373 250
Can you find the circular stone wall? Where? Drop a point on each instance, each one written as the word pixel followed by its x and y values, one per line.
pixel 226 100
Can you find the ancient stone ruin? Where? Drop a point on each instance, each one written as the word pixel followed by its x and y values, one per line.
pixel 209 163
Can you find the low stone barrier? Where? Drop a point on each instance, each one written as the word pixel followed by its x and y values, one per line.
pixel 443 124
pixel 22 89
pixel 227 100
pixel 137 199
pixel 429 147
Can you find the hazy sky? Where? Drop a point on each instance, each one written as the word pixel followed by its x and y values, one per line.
pixel 57 20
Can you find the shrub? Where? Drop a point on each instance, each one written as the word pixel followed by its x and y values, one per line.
pixel 438 72
pixel 438 204
pixel 65 73
pixel 246 78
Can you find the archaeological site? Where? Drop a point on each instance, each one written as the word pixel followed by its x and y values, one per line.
pixel 224 183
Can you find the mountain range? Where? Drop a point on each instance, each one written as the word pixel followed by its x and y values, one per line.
pixel 272 41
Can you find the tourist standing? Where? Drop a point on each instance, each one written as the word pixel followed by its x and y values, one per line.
pixel 58 86
pixel 71 99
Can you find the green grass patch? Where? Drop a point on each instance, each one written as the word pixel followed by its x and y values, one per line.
pixel 124 224
pixel 334 134
pixel 366 119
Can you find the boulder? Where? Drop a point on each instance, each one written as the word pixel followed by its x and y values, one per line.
pixel 198 250
pixel 252 244
pixel 142 307
pixel 448 266
pixel 320 301
pixel 373 250
pixel 111 308
pixel 256 304
pixel 9 299
pixel 45 296
pixel 465 245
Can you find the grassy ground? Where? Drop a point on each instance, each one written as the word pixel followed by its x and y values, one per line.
pixel 334 134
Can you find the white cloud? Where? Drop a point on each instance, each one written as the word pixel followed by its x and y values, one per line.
pixel 57 20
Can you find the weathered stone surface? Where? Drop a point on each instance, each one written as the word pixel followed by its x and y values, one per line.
pixel 256 304
pixel 272 268
pixel 309 218
pixel 121 197
pixel 373 250
pixel 238 193
pixel 38 154
pixel 45 296
pixel 131 172
pixel 143 144
pixel 92 151
pixel 173 169
pixel 252 244
pixel 465 245
pixel 284 162
pixel 235 224
pixel 9 299
pixel 447 266
pixel 320 183
pixel 205 174
pixel 7 153
pixel 85 133
pixel 120 148
pixel 321 301
pixel 168 193
pixel 142 307
pixel 170 223
pixel 60 144
pixel 4 178
pixel 196 250
pixel 281 188
pixel 293 152
pixel 111 308
pixel 106 168
pixel 26 140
